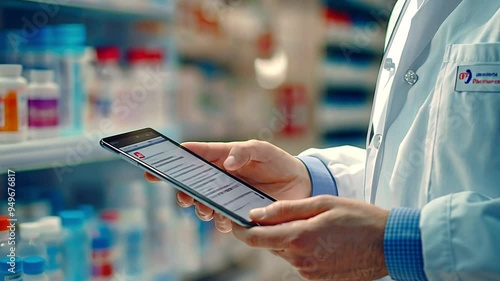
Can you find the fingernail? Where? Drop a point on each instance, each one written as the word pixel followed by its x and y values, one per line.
pixel 179 202
pixel 230 161
pixel 258 213
pixel 203 217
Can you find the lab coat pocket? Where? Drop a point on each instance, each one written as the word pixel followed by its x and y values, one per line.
pixel 467 121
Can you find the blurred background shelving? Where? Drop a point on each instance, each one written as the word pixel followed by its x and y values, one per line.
pixel 159 10
pixel 353 46
pixel 57 152
pixel 296 73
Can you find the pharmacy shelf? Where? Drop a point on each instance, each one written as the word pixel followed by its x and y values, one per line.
pixel 342 117
pixel 122 9
pixel 367 6
pixel 341 74
pixel 354 36
pixel 59 152
pixel 70 151
pixel 217 49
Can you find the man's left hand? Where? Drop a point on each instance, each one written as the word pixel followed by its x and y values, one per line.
pixel 324 237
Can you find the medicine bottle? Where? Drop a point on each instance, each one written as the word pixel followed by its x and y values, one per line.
pixel 13 105
pixel 43 105
pixel 107 88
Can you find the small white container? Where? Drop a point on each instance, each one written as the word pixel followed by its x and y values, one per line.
pixel 52 237
pixel 30 243
pixel 43 105
pixel 13 105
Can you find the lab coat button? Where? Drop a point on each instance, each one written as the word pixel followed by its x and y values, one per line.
pixel 411 77
pixel 389 64
pixel 377 141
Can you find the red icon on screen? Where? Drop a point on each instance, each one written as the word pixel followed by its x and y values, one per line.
pixel 139 155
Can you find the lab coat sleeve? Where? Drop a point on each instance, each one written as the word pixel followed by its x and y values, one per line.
pixel 461 237
pixel 346 164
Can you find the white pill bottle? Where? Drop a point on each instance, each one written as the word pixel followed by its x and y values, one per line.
pixel 43 105
pixel 13 104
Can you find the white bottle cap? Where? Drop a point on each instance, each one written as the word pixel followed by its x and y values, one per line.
pixel 42 76
pixel 29 230
pixel 12 70
pixel 51 224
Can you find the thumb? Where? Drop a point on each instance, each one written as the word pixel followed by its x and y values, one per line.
pixel 240 154
pixel 235 162
pixel 292 210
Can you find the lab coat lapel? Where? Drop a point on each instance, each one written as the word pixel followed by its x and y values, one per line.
pixel 424 26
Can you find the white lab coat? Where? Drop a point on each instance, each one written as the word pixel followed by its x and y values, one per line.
pixel 433 147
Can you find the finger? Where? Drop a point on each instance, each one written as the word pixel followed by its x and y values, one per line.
pixel 222 223
pixel 149 177
pixel 313 273
pixel 244 152
pixel 277 253
pixel 215 152
pixel 268 237
pixel 286 255
pixel 184 200
pixel 204 212
pixel 292 210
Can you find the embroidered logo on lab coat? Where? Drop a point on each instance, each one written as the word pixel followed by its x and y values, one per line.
pixel 478 78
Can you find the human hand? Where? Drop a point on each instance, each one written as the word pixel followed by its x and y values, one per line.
pixel 324 237
pixel 258 163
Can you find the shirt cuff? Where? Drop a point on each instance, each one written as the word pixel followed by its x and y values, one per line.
pixel 403 245
pixel 322 180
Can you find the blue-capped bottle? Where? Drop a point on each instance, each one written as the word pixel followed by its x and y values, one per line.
pixel 52 237
pixel 133 235
pixel 91 223
pixel 34 269
pixel 11 269
pixel 30 243
pixel 162 225
pixel 69 45
pixel 76 248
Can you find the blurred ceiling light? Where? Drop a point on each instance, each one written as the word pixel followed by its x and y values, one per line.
pixel 271 73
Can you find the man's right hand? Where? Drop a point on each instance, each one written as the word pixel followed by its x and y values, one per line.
pixel 260 164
